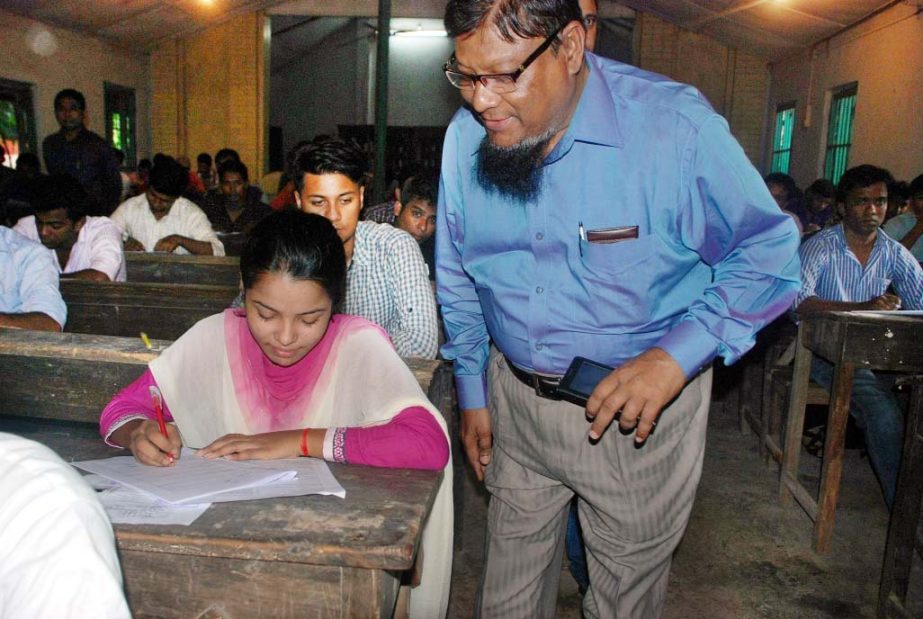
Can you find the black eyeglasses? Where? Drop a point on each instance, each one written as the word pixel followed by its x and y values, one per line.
pixel 496 82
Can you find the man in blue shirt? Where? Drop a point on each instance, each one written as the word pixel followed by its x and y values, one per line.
pixel 908 227
pixel 590 208
pixel 29 295
pixel 850 267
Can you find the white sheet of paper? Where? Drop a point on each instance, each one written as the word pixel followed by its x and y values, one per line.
pixel 314 477
pixel 126 505
pixel 190 480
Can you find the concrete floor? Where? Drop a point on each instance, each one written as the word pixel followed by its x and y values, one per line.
pixel 744 554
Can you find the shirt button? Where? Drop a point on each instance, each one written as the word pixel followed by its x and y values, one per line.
pixel 539 346
pixel 539 236
pixel 539 289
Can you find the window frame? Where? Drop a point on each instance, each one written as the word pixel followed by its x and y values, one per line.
pixel 120 100
pixel 781 140
pixel 840 119
pixel 22 96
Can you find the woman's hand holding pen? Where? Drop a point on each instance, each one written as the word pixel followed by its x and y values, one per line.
pixel 151 447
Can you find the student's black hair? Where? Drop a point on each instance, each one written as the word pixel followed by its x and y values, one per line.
pixel 233 165
pixel 204 158
pixel 28 162
pixel 145 164
pixel 327 155
pixel 914 189
pixel 419 187
pixel 821 188
pixel 860 177
pixel 225 154
pixel 524 19
pixel 70 93
pixel 168 177
pixel 303 246
pixel 49 193
pixel 784 180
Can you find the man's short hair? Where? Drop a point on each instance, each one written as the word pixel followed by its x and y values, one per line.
pixel 204 158
pixel 859 177
pixel 49 193
pixel 168 177
pixel 70 93
pixel 28 162
pixel 783 180
pixel 327 155
pixel 419 187
pixel 524 19
pixel 916 186
pixel 226 154
pixel 821 188
pixel 233 165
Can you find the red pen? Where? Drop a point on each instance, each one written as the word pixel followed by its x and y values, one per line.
pixel 157 401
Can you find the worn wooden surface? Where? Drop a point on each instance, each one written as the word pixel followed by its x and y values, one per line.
pixel 175 269
pixel 287 557
pixel 849 340
pixel 163 311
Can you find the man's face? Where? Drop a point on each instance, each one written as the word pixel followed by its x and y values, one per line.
pixel 69 114
pixel 589 9
pixel 820 204
pixel 160 204
pixel 545 93
pixel 418 217
pixel 865 209
pixel 779 194
pixel 916 205
pixel 336 197
pixel 56 230
pixel 234 186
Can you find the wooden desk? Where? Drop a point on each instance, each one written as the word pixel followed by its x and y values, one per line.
pixel 163 311
pixel 175 269
pixel 849 340
pixel 289 557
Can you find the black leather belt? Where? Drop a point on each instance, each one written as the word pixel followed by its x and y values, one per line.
pixel 544 386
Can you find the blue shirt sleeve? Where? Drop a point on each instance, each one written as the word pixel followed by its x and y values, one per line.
pixel 752 247
pixel 38 283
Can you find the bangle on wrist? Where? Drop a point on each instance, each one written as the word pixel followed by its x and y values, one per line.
pixel 304 443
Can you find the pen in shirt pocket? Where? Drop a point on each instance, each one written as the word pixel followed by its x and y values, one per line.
pixel 581 237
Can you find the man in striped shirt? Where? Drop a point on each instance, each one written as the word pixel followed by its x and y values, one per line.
pixel 850 266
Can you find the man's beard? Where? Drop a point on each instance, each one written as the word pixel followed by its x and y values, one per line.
pixel 514 172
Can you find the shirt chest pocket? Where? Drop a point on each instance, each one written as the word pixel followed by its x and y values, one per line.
pixel 632 257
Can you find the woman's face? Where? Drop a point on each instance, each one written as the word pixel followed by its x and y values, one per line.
pixel 286 316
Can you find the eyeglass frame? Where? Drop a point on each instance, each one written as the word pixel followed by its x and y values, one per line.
pixel 515 75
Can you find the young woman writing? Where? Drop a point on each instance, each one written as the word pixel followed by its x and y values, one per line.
pixel 286 376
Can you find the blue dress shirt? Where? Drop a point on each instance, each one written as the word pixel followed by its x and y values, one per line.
pixel 715 259
pixel 29 278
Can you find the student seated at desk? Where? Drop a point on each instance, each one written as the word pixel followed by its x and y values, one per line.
pixel 286 376
pixel 161 220
pixel 29 295
pixel 86 247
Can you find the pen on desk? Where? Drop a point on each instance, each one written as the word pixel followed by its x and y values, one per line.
pixel 146 341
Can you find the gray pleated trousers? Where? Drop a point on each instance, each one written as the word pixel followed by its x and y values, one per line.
pixel 634 502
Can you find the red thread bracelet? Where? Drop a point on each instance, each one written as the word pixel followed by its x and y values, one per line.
pixel 304 442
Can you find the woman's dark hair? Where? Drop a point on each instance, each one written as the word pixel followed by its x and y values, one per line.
pixel 525 19
pixel 327 155
pixel 168 177
pixel 301 245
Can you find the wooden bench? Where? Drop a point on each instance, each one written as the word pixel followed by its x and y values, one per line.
pixel 163 311
pixel 174 269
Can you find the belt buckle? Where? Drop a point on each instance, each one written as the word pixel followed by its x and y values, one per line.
pixel 546 390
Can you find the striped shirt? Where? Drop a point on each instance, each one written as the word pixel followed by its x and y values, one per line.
pixel 830 270
pixel 388 284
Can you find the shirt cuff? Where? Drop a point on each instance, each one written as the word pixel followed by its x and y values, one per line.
pixel 118 424
pixel 472 390
pixel 691 345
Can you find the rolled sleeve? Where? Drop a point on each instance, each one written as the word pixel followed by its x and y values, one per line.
pixel 200 229
pixel 106 254
pixel 38 284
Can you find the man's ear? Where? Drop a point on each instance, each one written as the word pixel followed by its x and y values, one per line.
pixel 397 207
pixel 573 44
pixel 80 223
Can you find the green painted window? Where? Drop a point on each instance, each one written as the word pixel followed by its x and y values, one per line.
pixel 120 112
pixel 782 138
pixel 17 121
pixel 839 132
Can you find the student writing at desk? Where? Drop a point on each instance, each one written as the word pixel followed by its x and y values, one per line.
pixel 286 376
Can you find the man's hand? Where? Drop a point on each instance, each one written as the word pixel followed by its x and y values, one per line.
pixel 132 244
pixel 639 390
pixel 884 302
pixel 168 243
pixel 475 435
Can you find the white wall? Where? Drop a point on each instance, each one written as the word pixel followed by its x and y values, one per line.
pixel 72 61
pixel 418 92
pixel 885 57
